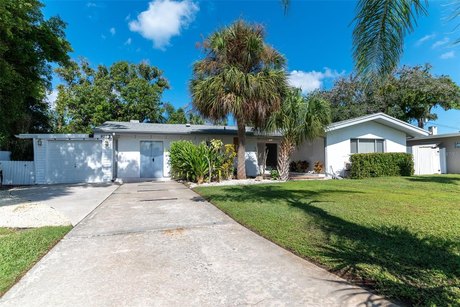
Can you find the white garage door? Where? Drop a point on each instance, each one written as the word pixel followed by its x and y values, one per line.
pixel 74 161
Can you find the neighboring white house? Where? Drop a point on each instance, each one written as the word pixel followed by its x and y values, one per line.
pixel 436 153
pixel 139 151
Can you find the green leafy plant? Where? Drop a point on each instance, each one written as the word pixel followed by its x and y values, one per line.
pixel 202 162
pixel 189 161
pixel 381 164
pixel 274 174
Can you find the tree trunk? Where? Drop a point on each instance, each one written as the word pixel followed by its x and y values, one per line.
pixel 421 123
pixel 284 159
pixel 241 168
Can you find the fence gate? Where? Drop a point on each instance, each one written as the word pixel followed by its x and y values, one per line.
pixel 18 172
pixel 428 159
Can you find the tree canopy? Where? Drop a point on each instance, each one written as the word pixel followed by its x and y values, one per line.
pixel 410 94
pixel 124 91
pixel 181 115
pixel 240 75
pixel 29 44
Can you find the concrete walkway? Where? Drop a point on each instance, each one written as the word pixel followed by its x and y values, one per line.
pixel 160 244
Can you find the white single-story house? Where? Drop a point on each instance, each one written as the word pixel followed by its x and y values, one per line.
pixel 436 153
pixel 130 151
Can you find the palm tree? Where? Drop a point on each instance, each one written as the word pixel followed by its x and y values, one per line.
pixel 378 35
pixel 300 118
pixel 240 75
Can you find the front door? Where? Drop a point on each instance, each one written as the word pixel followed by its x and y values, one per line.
pixel 151 159
pixel 272 155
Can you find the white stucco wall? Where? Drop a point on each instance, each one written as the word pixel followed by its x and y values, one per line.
pixel 310 151
pixel 128 153
pixel 338 148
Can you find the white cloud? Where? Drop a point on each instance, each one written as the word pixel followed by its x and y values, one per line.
pixel 91 4
pixel 128 17
pixel 112 31
pixel 163 20
pixel 448 55
pixel 424 39
pixel 440 43
pixel 51 98
pixel 128 41
pixel 311 80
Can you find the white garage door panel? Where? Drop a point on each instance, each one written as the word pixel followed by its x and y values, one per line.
pixel 74 161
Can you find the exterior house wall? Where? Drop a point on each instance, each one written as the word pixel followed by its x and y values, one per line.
pixel 40 161
pixel 129 157
pixel 310 151
pixel 338 148
pixel 96 170
pixel 452 153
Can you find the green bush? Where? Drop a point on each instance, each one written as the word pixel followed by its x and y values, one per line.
pixel 381 164
pixel 274 174
pixel 202 162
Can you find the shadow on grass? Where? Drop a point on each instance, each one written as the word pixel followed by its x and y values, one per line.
pixel 418 271
pixel 445 179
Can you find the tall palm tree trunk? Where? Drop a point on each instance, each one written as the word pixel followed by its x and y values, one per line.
pixel 241 167
pixel 284 158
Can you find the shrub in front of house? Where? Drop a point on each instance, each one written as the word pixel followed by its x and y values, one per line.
pixel 381 164
pixel 299 166
pixel 211 161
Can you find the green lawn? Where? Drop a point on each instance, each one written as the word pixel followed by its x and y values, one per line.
pixel 399 236
pixel 21 249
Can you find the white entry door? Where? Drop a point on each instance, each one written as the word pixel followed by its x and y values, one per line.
pixel 151 159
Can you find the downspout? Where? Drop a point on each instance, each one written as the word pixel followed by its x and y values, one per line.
pixel 326 162
pixel 114 157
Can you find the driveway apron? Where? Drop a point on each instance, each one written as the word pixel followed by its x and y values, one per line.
pixel 161 244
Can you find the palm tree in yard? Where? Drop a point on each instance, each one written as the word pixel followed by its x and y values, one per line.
pixel 300 118
pixel 379 30
pixel 240 75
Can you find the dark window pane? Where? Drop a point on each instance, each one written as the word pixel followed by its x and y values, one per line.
pixel 354 145
pixel 379 146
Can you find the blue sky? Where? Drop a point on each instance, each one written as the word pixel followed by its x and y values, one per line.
pixel 315 37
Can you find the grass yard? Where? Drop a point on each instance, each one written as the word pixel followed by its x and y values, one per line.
pixel 399 236
pixel 21 249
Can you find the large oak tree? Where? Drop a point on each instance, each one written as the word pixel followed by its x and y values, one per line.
pixel 29 44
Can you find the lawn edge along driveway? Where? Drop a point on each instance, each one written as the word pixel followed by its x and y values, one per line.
pixel 21 249
pixel 398 236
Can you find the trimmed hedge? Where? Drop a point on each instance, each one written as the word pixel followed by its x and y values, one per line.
pixel 381 164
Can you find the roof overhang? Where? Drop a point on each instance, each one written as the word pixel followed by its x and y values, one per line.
pixel 68 136
pixel 384 119
pixel 436 137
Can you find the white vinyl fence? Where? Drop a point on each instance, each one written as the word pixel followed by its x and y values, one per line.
pixel 18 172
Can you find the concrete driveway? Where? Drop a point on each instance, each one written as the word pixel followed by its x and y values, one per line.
pixel 72 201
pixel 160 244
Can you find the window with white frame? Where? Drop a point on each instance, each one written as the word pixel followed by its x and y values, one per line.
pixel 367 145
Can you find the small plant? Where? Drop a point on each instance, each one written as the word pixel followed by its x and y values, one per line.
pixel 299 166
pixel 318 167
pixel 274 174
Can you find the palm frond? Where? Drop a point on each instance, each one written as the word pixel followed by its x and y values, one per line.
pixel 378 36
